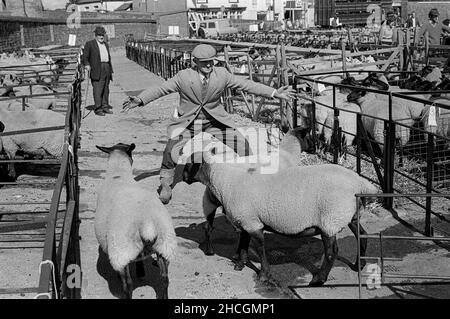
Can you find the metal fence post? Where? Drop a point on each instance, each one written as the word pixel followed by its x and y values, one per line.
pixel 389 152
pixel 429 188
pixel 358 142
pixel 336 139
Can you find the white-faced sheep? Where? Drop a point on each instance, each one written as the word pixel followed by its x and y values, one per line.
pixel 40 143
pixel 130 218
pixel 297 201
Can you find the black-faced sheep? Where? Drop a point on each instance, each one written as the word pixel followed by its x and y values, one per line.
pixel 294 142
pixel 130 218
pixel 297 201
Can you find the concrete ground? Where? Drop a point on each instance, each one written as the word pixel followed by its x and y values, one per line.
pixel 195 275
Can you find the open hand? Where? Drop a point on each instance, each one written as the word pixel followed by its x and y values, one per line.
pixel 285 93
pixel 130 103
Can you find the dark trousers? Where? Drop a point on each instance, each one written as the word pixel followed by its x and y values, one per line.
pixel 229 136
pixel 101 87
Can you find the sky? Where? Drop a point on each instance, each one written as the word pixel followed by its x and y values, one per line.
pixel 54 4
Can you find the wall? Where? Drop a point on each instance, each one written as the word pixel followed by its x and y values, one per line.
pixel 36 34
pixel 179 19
pixel 33 8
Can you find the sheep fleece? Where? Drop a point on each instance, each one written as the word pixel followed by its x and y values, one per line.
pixel 293 199
pixel 125 214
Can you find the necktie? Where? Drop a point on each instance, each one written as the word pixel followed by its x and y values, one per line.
pixel 204 87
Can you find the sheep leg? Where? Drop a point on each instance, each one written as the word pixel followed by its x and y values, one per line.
pixel 353 225
pixel 210 205
pixel 331 250
pixel 208 231
pixel 163 265
pixel 241 256
pixel 127 284
pixel 263 275
pixel 11 168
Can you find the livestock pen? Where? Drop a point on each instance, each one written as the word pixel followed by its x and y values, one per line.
pixel 39 220
pixel 412 166
pixel 413 174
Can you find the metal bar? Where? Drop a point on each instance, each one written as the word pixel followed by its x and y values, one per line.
pixel 13 227
pixel 68 220
pixel 391 237
pixel 401 195
pixel 49 246
pixel 36 130
pixel 42 162
pixel 429 177
pixel 358 250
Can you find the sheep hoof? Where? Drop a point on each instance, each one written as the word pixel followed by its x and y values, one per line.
pixel 239 266
pixel 262 277
pixel 317 282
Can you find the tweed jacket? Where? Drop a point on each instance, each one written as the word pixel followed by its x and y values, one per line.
pixel 189 86
pixel 91 56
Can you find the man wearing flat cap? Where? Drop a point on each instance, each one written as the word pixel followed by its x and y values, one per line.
pixel 97 60
pixel 200 89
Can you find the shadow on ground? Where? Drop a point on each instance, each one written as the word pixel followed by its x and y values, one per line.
pixel 307 253
pixel 151 279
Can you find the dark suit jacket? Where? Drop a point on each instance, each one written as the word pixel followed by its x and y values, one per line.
pixel 91 56
pixel 189 86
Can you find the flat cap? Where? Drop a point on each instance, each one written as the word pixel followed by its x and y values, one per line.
pixel 433 12
pixel 100 31
pixel 204 52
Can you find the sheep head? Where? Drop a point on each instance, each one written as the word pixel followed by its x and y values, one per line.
pixel 121 148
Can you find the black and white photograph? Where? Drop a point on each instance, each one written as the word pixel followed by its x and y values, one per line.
pixel 234 157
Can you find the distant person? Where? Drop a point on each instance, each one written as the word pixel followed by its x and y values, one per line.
pixel 398 21
pixel 201 33
pixel 97 61
pixel 433 28
pixel 289 25
pixel 387 29
pixel 446 40
pixel 335 22
pixel 412 21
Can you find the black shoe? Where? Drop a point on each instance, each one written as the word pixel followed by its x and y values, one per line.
pixel 99 112
pixel 107 107
pixel 107 111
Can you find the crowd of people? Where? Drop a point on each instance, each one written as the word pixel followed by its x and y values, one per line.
pixel 432 29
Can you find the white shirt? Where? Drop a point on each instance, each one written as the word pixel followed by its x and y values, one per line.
pixel 104 57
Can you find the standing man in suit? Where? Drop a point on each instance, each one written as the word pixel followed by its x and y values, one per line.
pixel 97 61
pixel 200 89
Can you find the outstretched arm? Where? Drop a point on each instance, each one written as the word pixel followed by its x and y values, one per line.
pixel 151 94
pixel 252 87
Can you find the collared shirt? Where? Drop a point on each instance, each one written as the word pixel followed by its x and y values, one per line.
pixel 104 57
